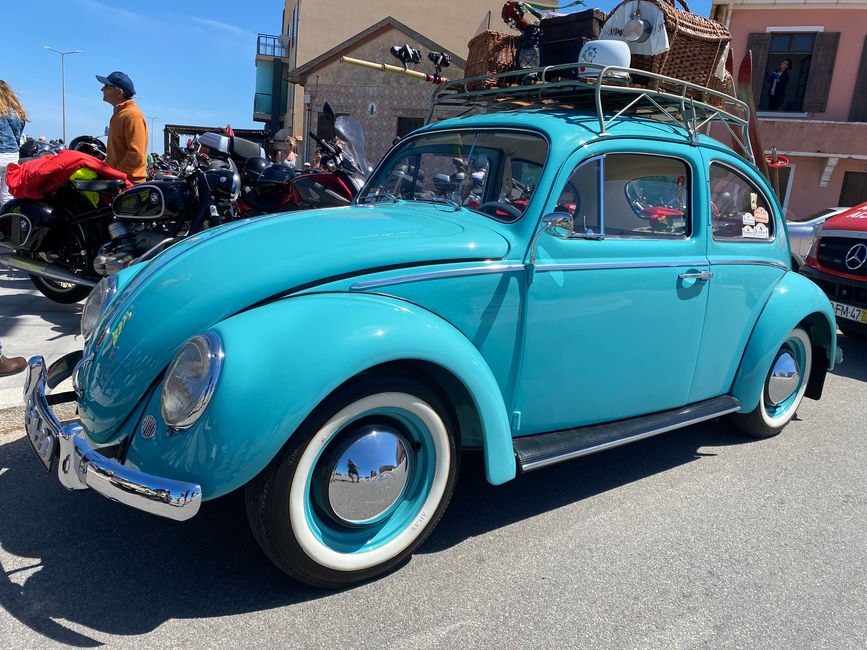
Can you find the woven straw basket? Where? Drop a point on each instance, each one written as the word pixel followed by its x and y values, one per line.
pixel 490 53
pixel 696 45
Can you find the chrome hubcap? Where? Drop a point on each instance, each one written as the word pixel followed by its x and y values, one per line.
pixel 784 379
pixel 368 475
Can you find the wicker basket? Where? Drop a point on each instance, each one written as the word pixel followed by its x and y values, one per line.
pixel 490 53
pixel 696 45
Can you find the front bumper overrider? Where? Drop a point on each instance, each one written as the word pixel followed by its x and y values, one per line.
pixel 79 466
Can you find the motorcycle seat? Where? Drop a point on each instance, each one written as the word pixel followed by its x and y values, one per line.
pixel 99 185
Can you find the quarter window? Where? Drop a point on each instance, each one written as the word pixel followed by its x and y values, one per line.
pixel 643 197
pixel 739 211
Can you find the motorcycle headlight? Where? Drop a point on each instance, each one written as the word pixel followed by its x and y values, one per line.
pixel 191 380
pixel 96 303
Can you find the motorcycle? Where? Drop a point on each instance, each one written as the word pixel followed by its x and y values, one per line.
pixel 56 238
pixel 152 216
pixel 342 173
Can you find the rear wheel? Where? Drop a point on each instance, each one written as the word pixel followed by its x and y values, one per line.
pixel 783 388
pixel 62 292
pixel 359 485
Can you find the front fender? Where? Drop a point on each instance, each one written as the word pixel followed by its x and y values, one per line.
pixel 283 359
pixel 794 299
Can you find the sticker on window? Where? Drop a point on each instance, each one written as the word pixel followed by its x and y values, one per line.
pixel 754 201
pixel 761 231
pixel 749 220
pixel 762 215
pixel 748 231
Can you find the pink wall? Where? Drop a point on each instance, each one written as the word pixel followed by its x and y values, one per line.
pixel 851 23
pixel 806 196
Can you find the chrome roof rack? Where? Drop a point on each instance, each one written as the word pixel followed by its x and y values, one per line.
pixel 611 91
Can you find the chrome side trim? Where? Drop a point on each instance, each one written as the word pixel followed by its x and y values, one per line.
pixel 594 266
pixel 433 275
pixel 751 262
pixel 617 443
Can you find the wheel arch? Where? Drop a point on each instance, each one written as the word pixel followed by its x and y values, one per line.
pixel 794 302
pixel 284 359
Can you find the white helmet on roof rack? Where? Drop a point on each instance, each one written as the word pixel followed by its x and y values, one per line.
pixel 602 53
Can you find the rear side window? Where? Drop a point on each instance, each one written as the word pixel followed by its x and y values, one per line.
pixel 739 211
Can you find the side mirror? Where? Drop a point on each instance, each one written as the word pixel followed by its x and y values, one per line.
pixel 559 224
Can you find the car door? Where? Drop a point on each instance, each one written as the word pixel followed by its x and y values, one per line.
pixel 615 308
pixel 748 254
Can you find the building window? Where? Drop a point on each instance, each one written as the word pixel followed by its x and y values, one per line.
pixel 786 72
pixel 407 125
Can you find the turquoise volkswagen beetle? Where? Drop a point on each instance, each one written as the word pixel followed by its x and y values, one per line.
pixel 522 282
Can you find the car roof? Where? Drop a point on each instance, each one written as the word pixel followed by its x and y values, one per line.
pixel 571 128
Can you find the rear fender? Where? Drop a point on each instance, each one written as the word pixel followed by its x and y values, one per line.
pixel 794 301
pixel 283 359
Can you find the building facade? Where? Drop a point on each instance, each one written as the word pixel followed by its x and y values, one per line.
pixel 311 29
pixel 810 85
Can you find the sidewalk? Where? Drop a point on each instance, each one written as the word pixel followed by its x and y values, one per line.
pixel 32 324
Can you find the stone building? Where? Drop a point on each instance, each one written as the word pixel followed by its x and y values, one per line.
pixel 311 29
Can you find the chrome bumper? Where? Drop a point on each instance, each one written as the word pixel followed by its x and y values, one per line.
pixel 79 466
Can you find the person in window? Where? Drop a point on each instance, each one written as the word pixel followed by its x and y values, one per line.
pixel 778 80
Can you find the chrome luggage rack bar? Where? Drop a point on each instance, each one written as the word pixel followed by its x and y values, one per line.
pixel 609 90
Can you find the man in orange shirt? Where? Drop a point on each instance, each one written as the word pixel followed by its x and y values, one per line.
pixel 127 131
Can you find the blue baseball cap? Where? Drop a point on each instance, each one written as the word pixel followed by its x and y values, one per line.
pixel 118 80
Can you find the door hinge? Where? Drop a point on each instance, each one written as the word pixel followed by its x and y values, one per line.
pixel 516 420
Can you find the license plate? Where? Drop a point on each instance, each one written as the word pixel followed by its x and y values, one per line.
pixel 849 313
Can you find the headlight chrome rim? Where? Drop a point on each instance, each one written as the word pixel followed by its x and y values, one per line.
pixel 94 306
pixel 212 345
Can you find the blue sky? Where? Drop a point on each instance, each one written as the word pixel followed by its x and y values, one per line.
pixel 192 62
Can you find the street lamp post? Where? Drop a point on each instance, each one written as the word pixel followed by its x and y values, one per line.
pixel 156 117
pixel 63 84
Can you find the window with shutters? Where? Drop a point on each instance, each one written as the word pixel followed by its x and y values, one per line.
pixel 786 72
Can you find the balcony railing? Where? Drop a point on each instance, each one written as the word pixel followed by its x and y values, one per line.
pixel 270 45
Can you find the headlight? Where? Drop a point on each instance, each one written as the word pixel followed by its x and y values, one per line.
pixel 95 304
pixel 191 380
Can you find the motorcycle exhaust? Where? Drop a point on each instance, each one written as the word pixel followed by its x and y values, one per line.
pixel 43 269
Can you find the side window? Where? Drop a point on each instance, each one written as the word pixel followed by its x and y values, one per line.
pixel 739 211
pixel 646 196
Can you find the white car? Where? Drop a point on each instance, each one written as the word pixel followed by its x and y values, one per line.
pixel 802 230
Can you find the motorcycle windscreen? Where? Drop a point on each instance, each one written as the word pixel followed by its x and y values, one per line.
pixel 160 200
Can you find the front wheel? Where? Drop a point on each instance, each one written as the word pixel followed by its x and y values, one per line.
pixel 359 485
pixel 63 292
pixel 783 389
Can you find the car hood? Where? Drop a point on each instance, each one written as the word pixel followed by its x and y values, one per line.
pixel 219 272
pixel 853 219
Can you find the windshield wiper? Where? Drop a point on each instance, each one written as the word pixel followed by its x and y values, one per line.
pixel 442 200
pixel 378 196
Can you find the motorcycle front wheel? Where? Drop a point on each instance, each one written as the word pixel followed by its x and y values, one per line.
pixel 65 293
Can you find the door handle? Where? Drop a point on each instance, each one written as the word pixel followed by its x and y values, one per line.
pixel 704 276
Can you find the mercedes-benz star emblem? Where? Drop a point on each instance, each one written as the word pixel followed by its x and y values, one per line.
pixel 856 257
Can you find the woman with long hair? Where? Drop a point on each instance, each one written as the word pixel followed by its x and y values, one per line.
pixel 12 120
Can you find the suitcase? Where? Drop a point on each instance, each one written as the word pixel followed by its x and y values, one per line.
pixel 564 36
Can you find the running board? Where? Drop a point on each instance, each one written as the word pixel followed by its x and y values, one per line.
pixel 540 450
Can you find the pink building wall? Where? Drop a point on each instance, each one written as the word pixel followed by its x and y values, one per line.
pixel 796 133
pixel 851 23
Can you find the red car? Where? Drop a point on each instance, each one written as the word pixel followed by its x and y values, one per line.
pixel 837 262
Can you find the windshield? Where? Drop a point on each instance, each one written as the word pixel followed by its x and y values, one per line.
pixel 491 172
pixel 350 134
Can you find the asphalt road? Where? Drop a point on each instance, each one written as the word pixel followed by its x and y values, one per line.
pixel 697 538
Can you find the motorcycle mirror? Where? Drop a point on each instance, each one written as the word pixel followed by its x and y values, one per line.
pixel 406 54
pixel 328 112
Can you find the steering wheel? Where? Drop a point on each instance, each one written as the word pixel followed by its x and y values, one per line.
pixel 491 208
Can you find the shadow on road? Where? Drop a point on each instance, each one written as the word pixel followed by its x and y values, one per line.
pixel 22 302
pixel 122 572
pixel 854 364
